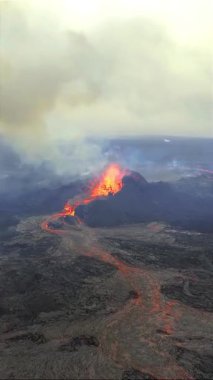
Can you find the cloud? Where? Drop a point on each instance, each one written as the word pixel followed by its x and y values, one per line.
pixel 127 77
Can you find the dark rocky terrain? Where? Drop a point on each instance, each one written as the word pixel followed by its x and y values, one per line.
pixel 131 302
pixel 128 294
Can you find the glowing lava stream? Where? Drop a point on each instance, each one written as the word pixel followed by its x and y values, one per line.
pixel 136 311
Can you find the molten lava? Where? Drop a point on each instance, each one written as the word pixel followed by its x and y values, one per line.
pixel 68 209
pixel 110 182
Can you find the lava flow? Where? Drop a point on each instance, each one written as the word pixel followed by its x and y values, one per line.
pixel 110 182
pixel 145 310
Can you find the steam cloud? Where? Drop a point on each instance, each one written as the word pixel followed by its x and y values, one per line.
pixel 129 77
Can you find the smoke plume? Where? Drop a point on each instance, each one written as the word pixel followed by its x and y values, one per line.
pixel 61 85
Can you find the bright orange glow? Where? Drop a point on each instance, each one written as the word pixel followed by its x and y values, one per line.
pixel 68 209
pixel 110 182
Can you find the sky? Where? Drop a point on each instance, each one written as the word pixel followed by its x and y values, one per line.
pixel 73 70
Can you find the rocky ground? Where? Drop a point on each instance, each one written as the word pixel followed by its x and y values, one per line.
pixel 131 302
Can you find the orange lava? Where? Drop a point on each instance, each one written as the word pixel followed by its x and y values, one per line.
pixel 110 182
pixel 68 209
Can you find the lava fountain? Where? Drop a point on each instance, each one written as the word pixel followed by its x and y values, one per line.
pixel 110 182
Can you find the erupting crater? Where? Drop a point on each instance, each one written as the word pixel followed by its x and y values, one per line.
pixel 109 182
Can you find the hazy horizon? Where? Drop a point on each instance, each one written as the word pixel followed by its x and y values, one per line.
pixel 103 69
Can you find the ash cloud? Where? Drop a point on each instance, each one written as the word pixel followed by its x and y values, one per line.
pixel 127 77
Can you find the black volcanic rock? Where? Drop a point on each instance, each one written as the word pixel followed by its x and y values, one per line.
pixel 33 337
pixel 157 255
pixel 197 293
pixel 200 365
pixel 134 178
pixel 139 201
pixel 75 343
pixel 134 374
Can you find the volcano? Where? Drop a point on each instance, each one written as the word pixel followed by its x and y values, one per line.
pixel 109 183
pixel 120 196
pixel 139 201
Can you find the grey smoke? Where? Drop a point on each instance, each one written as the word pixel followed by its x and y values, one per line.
pixel 128 77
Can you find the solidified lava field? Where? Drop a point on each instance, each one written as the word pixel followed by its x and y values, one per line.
pixel 128 302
